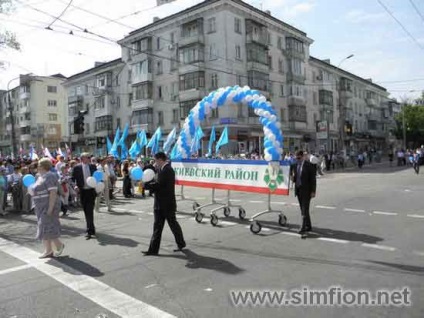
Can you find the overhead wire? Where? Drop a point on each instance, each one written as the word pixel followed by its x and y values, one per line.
pixel 417 10
pixel 60 15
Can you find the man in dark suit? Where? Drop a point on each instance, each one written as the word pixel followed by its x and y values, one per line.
pixel 304 178
pixel 165 205
pixel 80 173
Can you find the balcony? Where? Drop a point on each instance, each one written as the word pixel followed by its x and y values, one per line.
pixel 291 77
pixel 26 137
pixel 292 53
pixel 257 38
pixel 75 100
pixel 142 103
pixel 190 40
pixel 24 123
pixel 134 128
pixel 297 125
pixel 345 94
pixel 140 78
pixel 373 117
pixel 372 102
pixel 192 94
pixel 192 67
pixel 256 66
pixel 5 142
pixel 24 109
pixel 25 95
pixel 296 100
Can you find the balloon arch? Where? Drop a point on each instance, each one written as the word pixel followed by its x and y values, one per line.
pixel 273 140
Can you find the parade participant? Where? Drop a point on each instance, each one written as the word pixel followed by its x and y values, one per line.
pixel 304 178
pixel 3 190
pixel 165 205
pixel 80 173
pixel 15 186
pixel 46 207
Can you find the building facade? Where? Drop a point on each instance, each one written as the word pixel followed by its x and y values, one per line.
pixel 99 93
pixel 37 109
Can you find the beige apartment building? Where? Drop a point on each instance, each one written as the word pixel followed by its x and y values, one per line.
pixel 37 108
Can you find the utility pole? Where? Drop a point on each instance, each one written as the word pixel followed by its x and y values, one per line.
pixel 404 126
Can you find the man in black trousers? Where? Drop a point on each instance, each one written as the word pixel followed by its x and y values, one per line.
pixel 80 173
pixel 304 178
pixel 165 205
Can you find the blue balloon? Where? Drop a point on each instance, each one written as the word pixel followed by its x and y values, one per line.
pixel 28 180
pixel 268 144
pixel 98 175
pixel 136 173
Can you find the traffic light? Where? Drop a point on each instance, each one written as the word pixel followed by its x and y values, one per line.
pixel 77 125
pixel 81 124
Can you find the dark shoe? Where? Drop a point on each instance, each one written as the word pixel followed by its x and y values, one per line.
pixel 180 248
pixel 89 236
pixel 49 255
pixel 148 253
pixel 301 231
pixel 308 229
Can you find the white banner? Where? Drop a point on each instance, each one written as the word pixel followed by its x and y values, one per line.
pixel 236 175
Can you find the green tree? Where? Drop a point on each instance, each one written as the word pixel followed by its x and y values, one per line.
pixel 7 38
pixel 414 124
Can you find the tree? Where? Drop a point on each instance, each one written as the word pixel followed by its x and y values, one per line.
pixel 414 123
pixel 7 38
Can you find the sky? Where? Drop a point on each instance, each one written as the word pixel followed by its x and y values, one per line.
pixel 389 52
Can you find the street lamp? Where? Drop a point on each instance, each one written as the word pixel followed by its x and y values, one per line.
pixel 346 58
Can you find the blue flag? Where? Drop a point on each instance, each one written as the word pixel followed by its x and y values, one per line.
pixel 223 140
pixel 124 152
pixel 114 149
pixel 175 154
pixel 195 144
pixel 172 136
pixel 124 135
pixel 109 145
pixel 135 147
pixel 211 141
pixel 154 141
pixel 142 139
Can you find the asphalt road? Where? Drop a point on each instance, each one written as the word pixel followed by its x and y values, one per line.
pixel 367 228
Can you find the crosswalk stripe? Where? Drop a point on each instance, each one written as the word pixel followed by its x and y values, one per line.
pixel 384 213
pixel 418 216
pixel 325 207
pixel 354 210
pixel 328 239
pixel 379 247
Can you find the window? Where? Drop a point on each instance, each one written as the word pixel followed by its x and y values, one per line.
pixel 237 25
pixel 192 54
pixel 280 42
pixel 52 117
pixel 51 89
pixel 79 91
pixel 129 76
pixel 172 38
pixel 297 66
pixel 240 112
pixel 101 81
pixel 257 53
pixel 294 45
pixel 212 52
pixel 270 62
pixel 116 80
pixel 269 38
pixel 281 90
pixel 315 98
pixel 160 92
pixel 186 106
pixel 192 80
pixel 326 97
pixel 282 114
pixel 258 80
pixel 174 91
pixel 103 123
pixel 143 91
pixel 214 113
pixel 239 80
pixel 85 89
pixel 280 66
pixel 211 25
pixel 238 52
pixel 158 43
pixel 175 115
pixel 214 80
pixel 100 102
pixel 141 45
pixel 87 128
pixel 159 69
pixel 118 123
pixel 142 117
pixel 193 28
pixel 160 118
pixel 118 102
pixel 130 98
pixel 251 112
pixel 52 103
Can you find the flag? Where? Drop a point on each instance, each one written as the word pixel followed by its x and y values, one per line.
pixel 124 152
pixel 21 151
pixel 223 140
pixel 114 149
pixel 32 154
pixel 108 145
pixel 135 147
pixel 174 153
pixel 68 151
pixel 142 139
pixel 47 153
pixel 195 143
pixel 59 152
pixel 154 141
pixel 170 140
pixel 211 141
pixel 124 135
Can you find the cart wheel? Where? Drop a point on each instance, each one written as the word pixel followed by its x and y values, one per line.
pixel 282 220
pixel 255 227
pixel 195 205
pixel 214 220
pixel 198 217
pixel 242 213
pixel 227 211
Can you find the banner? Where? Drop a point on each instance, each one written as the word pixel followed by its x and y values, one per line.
pixel 238 175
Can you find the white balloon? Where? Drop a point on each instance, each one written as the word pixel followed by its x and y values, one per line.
pixel 100 187
pixel 231 96
pixel 248 98
pixel 278 124
pixel 268 157
pixel 91 182
pixel 262 99
pixel 267 114
pixel 256 111
pixel 255 96
pixel 271 137
pixel 148 175
pixel 246 88
pixel 267 131
pixel 260 112
pixel 273 118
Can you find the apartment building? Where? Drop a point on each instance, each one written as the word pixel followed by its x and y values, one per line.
pixel 99 94
pixel 176 61
pixel 38 113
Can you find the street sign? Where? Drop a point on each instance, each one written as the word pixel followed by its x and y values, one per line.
pixel 90 141
pixel 101 141
pixel 322 130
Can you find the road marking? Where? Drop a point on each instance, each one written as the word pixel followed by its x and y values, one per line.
pixel 179 216
pixel 379 247
pixel 227 223
pixel 103 295
pixel 283 203
pixel 418 253
pixel 136 211
pixel 234 200
pixel 329 239
pixel 150 286
pixel 354 210
pixel 325 207
pixel 15 269
pixel 384 213
pixel 208 289
pixel 418 216
pixel 150 213
pixel 256 201
pixel 290 233
pixel 199 198
pixel 295 204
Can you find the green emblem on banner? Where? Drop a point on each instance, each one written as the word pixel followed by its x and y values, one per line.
pixel 273 180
